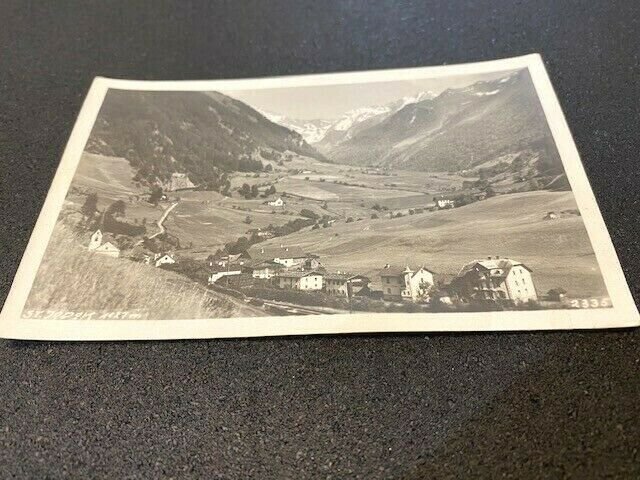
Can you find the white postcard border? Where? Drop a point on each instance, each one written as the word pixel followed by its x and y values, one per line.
pixel 624 312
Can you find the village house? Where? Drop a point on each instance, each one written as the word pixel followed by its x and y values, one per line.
pixel 265 234
pixel 278 202
pixel 346 284
pixel 312 262
pixel 103 244
pixel 496 279
pixel 229 271
pixel 405 284
pixel 286 256
pixel 299 280
pixel 224 260
pixel 264 269
pixel 557 294
pixel 163 259
pixel 443 203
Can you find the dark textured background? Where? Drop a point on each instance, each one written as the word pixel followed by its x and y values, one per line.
pixel 388 406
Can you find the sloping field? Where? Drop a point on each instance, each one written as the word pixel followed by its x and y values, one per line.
pixel 107 175
pixel 334 192
pixel 208 219
pixel 72 279
pixel 558 251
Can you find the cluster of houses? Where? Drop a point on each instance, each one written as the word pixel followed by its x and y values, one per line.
pixel 105 244
pixel 490 279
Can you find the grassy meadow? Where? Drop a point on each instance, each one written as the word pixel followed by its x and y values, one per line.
pixel 513 225
pixel 558 251
pixel 71 278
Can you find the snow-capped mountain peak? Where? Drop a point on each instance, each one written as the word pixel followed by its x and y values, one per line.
pixel 314 131
pixel 311 130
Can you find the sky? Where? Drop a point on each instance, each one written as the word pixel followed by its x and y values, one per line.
pixel 331 101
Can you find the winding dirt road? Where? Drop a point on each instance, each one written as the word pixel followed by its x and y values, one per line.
pixel 160 222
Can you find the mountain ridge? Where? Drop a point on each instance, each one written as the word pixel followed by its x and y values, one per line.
pixel 202 135
pixel 455 130
pixel 321 132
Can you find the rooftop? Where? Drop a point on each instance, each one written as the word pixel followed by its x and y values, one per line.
pixel 297 274
pixel 496 263
pixel 396 270
pixel 341 276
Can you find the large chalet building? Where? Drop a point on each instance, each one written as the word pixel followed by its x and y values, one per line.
pixel 344 284
pixel 404 283
pixel 299 280
pixel 264 269
pixel 496 279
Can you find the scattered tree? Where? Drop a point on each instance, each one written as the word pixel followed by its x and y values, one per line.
pixel 305 212
pixel 117 208
pixel 90 206
pixel 155 195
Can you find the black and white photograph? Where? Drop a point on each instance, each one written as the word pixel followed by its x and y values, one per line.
pixel 409 194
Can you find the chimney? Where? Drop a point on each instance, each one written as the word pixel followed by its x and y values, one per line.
pixel 386 265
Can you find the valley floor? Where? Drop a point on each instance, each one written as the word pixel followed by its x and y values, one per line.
pixel 377 218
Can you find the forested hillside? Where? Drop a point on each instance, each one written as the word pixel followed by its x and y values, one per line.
pixel 203 135
pixel 459 129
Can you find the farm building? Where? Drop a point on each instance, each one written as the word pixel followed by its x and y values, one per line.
pixel 103 244
pixel 404 283
pixel 230 271
pixel 557 294
pixel 312 262
pixel 163 259
pixel 262 268
pixel 496 279
pixel 109 249
pixel 443 203
pixel 278 202
pixel 346 284
pixel 287 256
pixel 299 280
pixel 224 260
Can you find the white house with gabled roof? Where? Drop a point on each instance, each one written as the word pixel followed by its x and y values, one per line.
pixel 103 244
pixel 400 283
pixel 496 279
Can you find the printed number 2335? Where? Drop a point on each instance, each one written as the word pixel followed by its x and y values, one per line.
pixel 590 303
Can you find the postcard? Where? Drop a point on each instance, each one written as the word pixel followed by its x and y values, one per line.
pixel 444 198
